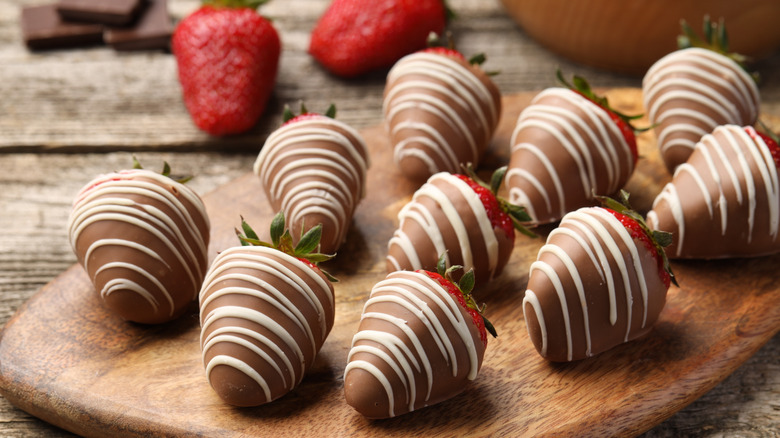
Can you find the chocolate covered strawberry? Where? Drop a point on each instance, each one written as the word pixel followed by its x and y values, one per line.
pixel 568 146
pixel 265 311
pixel 421 340
pixel 354 37
pixel 142 238
pixel 441 112
pixel 725 200
pixel 599 281
pixel 461 217
pixel 689 92
pixel 313 168
pixel 227 56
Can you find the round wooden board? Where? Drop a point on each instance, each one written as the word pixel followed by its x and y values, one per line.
pixel 66 360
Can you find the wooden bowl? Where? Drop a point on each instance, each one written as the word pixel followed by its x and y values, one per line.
pixel 628 36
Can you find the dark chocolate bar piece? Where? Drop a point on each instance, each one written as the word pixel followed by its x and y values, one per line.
pixel 110 12
pixel 152 31
pixel 43 28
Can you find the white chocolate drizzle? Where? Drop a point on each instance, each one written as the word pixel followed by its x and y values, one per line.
pixel 449 92
pixel 689 92
pixel 734 176
pixel 596 232
pixel 315 166
pixel 579 136
pixel 416 211
pixel 129 198
pixel 401 348
pixel 269 280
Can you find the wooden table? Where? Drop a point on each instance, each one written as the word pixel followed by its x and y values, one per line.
pixel 66 116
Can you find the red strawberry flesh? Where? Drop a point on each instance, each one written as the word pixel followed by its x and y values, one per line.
pixel 445 51
pixel 637 233
pixel 453 290
pixel 625 128
pixel 774 148
pixel 498 217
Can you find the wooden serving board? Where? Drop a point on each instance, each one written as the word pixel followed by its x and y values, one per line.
pixel 66 360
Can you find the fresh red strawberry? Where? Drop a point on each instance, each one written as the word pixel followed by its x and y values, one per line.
pixel 313 168
pixel 441 111
pixel 567 147
pixel 421 339
pixel 142 238
pixel 461 216
pixel 227 55
pixel 354 37
pixel 691 91
pixel 265 311
pixel 599 281
pixel 725 200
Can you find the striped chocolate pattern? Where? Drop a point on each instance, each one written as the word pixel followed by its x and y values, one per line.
pixel 446 215
pixel 591 288
pixel 724 201
pixel 564 150
pixel 415 346
pixel 264 316
pixel 440 112
pixel 689 92
pixel 314 171
pixel 142 239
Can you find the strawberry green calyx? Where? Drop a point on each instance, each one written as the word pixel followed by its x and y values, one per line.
pixel 516 213
pixel 281 240
pixel 252 4
pixel 659 239
pixel 581 86
pixel 465 286
pixel 288 115
pixel 166 171
pixel 715 38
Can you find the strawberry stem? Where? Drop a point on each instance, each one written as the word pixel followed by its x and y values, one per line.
pixel 282 240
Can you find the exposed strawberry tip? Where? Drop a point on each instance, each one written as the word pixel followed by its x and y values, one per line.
pixel 654 240
pixel 501 212
pixel 461 291
pixel 770 139
pixel 290 117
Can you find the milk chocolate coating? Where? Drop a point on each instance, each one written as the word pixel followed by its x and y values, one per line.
pixel 446 215
pixel 415 347
pixel 314 170
pixel 689 92
pixel 564 150
pixel 724 201
pixel 591 288
pixel 142 238
pixel 264 316
pixel 441 112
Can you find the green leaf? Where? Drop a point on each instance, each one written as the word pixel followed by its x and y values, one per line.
pixel 331 112
pixel 466 283
pixel 489 327
pixel 309 241
pixel 497 179
pixel 441 264
pixel 277 229
pixel 136 163
pixel 478 59
pixel 287 114
pixel 248 231
pixel 663 238
pixel 166 171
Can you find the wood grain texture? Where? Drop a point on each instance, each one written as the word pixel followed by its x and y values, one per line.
pixel 65 359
